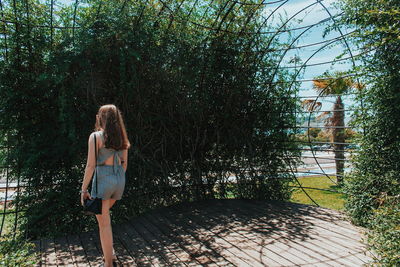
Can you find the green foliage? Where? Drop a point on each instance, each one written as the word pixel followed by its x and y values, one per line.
pixel 376 21
pixel 198 103
pixel 313 132
pixel 16 252
pixel 377 165
pixel 385 235
pixel 364 192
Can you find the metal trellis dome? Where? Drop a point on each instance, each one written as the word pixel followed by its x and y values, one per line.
pixel 308 51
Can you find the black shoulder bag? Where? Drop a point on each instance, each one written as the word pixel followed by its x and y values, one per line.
pixel 93 206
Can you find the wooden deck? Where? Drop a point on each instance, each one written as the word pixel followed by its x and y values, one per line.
pixel 221 233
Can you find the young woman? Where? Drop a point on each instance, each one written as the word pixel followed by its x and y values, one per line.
pixel 112 160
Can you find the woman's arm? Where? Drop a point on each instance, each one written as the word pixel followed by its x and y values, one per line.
pixel 90 164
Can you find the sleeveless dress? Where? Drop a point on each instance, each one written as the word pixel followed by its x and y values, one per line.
pixel 110 178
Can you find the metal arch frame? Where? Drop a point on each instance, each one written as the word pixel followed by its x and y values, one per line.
pixel 5 32
pixel 51 21
pixel 74 21
pixel 309 118
pixel 7 168
pixel 278 63
pixel 225 31
pixel 219 29
pixel 260 51
pixel 332 61
pixel 298 72
pixel 6 195
pixel 253 33
pixel 348 49
pixel 303 66
pixel 228 12
pixel 29 30
pixel 264 4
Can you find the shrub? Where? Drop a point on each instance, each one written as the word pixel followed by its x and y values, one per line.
pixel 16 252
pixel 385 235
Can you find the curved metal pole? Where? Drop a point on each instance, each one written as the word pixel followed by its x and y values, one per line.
pixel 4 31
pixel 74 22
pixel 51 22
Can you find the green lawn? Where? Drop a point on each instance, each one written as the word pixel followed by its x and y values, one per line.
pixel 9 221
pixel 325 199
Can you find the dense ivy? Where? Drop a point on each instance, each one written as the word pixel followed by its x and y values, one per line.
pixel 200 104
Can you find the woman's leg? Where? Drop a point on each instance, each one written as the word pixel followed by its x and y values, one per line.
pixel 112 202
pixel 105 230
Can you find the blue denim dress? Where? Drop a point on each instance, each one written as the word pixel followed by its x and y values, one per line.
pixel 110 178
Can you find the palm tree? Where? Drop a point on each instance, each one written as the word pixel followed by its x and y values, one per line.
pixel 333 85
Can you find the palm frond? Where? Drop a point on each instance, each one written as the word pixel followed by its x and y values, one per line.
pixel 359 86
pixel 324 116
pixel 334 84
pixel 311 105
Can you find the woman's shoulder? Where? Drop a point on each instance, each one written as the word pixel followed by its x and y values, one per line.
pixel 97 133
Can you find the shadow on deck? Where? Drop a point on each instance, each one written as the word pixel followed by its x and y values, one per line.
pixel 228 232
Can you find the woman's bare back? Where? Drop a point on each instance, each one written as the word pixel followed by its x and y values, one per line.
pixel 110 160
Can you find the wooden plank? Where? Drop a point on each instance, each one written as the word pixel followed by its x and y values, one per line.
pixel 172 245
pixel 123 255
pixel 42 254
pixel 332 229
pixel 328 215
pixel 95 235
pixel 93 255
pixel 199 251
pixel 331 220
pixel 64 256
pixel 49 251
pixel 296 252
pixel 219 233
pixel 142 246
pixel 194 245
pixel 267 221
pixel 342 257
pixel 225 248
pixel 156 258
pixel 271 257
pixel 300 244
pixel 132 248
pixel 157 244
pixel 317 229
pixel 78 253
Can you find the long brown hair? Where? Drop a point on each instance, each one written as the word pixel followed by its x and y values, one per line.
pixel 109 119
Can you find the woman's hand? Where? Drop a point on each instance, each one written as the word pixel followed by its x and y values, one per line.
pixel 84 196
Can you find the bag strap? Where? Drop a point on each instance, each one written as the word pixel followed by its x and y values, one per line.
pixel 95 160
